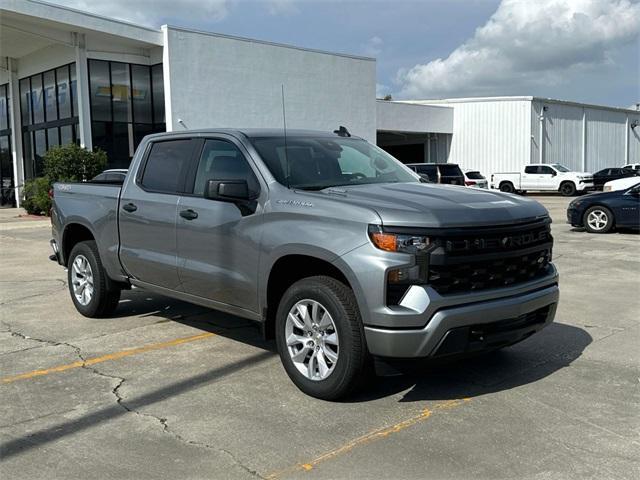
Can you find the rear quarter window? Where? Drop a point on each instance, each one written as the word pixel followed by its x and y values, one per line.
pixel 165 165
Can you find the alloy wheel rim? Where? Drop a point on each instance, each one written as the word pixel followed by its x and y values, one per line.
pixel 312 339
pixel 597 219
pixel 82 280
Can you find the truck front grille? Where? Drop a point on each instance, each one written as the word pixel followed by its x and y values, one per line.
pixel 462 260
pixel 487 274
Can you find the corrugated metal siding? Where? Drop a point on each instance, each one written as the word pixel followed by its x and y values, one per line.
pixel 606 143
pixel 634 139
pixel 491 136
pixel 563 135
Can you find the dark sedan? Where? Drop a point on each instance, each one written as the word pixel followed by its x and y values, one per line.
pixel 600 212
pixel 607 174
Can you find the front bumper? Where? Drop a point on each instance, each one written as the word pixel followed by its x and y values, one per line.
pixel 587 185
pixel 473 327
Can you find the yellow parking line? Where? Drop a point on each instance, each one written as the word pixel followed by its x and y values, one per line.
pixel 368 438
pixel 105 358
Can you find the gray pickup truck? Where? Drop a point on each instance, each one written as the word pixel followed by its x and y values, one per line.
pixel 336 248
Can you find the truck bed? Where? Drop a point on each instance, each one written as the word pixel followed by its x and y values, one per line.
pixel 93 206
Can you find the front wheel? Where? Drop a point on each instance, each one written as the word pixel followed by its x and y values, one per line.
pixel 320 338
pixel 568 189
pixel 598 220
pixel 92 293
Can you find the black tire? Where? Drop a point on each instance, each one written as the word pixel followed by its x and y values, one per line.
pixel 604 214
pixel 106 295
pixel 568 189
pixel 354 365
pixel 507 187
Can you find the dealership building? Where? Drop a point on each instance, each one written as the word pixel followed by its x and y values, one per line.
pixel 70 76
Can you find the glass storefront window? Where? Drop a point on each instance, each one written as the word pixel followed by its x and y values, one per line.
pixel 158 93
pixel 37 100
pixel 40 142
pixel 120 90
pixel 49 95
pixel 64 92
pixel 141 94
pixel 48 114
pixel 125 107
pixel 66 134
pixel 7 193
pixel 100 88
pixel 4 107
pixel 25 101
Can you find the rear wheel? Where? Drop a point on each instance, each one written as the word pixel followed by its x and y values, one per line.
pixel 320 338
pixel 92 293
pixel 507 187
pixel 598 220
pixel 568 189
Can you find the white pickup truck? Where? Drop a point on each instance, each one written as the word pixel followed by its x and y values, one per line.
pixel 543 177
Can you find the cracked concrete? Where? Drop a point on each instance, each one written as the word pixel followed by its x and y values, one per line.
pixel 563 404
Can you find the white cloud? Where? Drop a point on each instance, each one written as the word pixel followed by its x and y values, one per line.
pixel 373 46
pixel 282 7
pixel 526 44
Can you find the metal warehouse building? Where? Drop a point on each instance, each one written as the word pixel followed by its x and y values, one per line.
pixel 504 133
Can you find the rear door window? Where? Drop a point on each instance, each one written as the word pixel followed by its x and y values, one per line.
pixel 531 169
pixel 165 166
pixel 447 170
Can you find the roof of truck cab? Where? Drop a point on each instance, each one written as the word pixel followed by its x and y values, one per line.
pixel 254 132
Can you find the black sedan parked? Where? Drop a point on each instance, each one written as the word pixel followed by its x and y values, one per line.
pixel 600 212
pixel 607 174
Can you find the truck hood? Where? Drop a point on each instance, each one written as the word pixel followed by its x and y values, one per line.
pixel 437 206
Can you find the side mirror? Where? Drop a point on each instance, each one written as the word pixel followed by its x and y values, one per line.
pixel 553 174
pixel 424 178
pixel 227 190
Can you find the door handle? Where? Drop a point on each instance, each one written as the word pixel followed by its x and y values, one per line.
pixel 189 214
pixel 129 207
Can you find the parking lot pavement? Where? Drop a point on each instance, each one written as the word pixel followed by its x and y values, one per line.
pixel 170 390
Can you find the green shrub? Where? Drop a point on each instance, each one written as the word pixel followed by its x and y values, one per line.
pixel 72 163
pixel 66 163
pixel 36 196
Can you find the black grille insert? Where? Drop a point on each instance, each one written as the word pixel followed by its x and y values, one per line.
pixel 486 274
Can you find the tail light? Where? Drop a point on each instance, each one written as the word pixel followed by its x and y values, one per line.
pixel 468 183
pixel 50 193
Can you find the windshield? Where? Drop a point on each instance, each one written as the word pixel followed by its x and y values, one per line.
pixel 560 168
pixel 314 163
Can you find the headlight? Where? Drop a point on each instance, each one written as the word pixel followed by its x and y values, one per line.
pixel 607 188
pixel 392 242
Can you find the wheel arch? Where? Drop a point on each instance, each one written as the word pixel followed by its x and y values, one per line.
pixel 287 269
pixel 74 233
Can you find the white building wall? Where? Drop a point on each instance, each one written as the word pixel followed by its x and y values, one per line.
pixel 563 136
pixel 491 136
pixel 634 140
pixel 606 139
pixel 219 81
pixel 407 117
pixel 584 137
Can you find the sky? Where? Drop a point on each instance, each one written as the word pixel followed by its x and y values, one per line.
pixel 580 50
